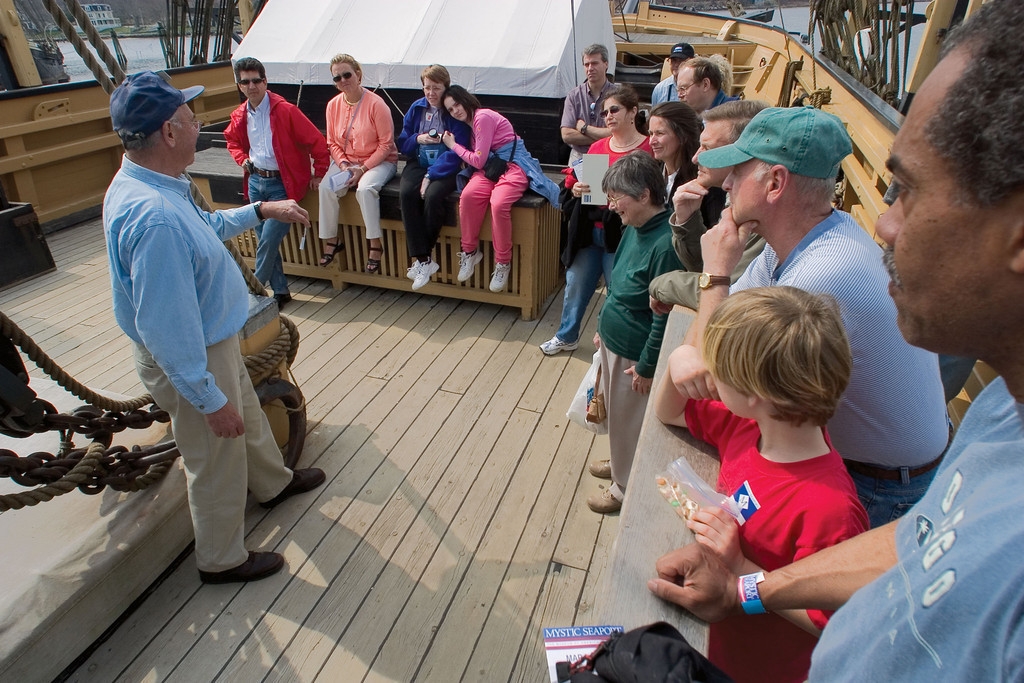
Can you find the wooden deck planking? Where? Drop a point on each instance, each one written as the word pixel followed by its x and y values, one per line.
pixel 455 492
pixel 474 428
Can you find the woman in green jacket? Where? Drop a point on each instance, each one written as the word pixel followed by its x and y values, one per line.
pixel 628 333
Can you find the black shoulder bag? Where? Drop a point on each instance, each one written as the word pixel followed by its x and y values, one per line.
pixel 495 166
pixel 657 652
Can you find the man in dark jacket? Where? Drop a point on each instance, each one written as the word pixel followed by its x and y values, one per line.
pixel 274 142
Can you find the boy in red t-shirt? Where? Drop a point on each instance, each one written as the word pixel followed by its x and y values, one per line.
pixel 780 361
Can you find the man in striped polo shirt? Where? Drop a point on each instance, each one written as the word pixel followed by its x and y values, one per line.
pixel 891 424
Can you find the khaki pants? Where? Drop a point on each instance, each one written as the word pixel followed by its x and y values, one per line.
pixel 625 416
pixel 218 471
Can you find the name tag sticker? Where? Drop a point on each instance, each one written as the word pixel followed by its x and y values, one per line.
pixel 746 501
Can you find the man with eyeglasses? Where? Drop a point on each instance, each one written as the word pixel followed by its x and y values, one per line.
pixel 582 122
pixel 273 142
pixel 179 296
pixel 699 84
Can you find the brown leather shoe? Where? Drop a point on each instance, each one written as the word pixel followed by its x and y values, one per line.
pixel 302 481
pixel 602 469
pixel 258 566
pixel 604 502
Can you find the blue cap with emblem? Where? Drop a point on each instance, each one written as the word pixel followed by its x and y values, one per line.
pixel 143 101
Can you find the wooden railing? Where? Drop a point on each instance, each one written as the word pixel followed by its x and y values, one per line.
pixel 58 150
pixel 648 526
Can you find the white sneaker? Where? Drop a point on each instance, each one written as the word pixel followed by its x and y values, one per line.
pixel 500 277
pixel 423 272
pixel 556 345
pixel 468 264
pixel 412 271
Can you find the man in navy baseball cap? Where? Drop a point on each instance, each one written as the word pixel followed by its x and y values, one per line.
pixel 179 296
pixel 144 101
pixel 665 91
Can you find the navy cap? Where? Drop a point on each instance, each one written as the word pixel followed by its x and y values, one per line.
pixel 681 51
pixel 143 101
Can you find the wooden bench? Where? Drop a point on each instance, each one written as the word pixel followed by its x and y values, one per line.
pixel 536 270
pixel 648 526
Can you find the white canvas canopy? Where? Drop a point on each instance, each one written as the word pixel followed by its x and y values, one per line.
pixel 491 47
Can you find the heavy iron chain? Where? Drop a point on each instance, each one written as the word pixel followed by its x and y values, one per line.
pixel 91 469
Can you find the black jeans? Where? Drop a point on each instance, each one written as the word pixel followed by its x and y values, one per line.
pixel 422 216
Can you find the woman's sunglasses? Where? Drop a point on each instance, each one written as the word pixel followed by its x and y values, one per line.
pixel 347 75
pixel 614 109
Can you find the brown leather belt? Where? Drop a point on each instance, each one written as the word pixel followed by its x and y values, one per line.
pixel 891 474
pixel 266 174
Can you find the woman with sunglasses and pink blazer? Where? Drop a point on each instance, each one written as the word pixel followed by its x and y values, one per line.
pixel 361 139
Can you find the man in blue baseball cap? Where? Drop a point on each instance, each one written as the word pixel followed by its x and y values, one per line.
pixel 891 423
pixel 179 296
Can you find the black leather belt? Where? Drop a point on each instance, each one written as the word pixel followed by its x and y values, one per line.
pixel 266 174
pixel 891 474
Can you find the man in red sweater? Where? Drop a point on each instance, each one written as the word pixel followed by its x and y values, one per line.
pixel 275 143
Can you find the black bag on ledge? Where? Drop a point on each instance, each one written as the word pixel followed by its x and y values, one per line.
pixel 657 652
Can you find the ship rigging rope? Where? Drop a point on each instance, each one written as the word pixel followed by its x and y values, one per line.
pixel 93 471
pixel 80 46
pixel 872 57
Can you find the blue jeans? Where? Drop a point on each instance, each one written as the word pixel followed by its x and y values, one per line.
pixel 269 234
pixel 580 282
pixel 886 500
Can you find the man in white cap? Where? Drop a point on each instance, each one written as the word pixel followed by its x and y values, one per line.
pixel 179 296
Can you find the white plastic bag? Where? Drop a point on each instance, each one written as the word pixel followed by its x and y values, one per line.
pixel 584 395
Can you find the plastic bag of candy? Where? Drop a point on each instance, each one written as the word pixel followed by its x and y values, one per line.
pixel 687 493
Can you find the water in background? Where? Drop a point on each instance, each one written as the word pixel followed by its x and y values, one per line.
pixel 142 54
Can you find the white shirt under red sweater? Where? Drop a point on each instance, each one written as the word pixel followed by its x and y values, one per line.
pixel 804 507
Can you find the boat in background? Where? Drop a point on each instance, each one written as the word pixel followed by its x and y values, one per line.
pixel 101 16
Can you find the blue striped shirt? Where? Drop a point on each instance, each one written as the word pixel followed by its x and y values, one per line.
pixel 176 289
pixel 893 412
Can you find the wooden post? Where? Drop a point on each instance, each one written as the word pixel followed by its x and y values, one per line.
pixel 245 15
pixel 17 46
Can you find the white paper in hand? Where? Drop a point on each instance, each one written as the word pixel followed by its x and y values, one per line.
pixel 591 171
pixel 339 183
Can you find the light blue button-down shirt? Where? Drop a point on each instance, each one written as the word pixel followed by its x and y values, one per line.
pixel 176 289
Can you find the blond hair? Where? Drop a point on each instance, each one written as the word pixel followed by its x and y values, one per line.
pixel 725 68
pixel 783 345
pixel 343 58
